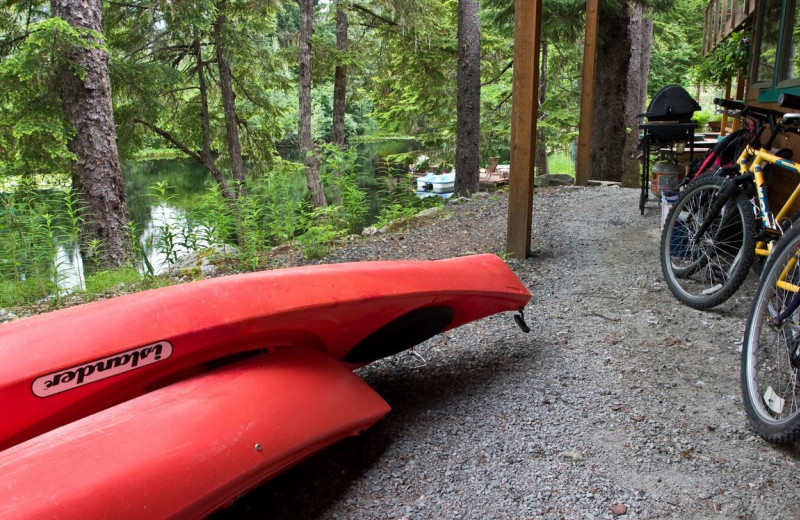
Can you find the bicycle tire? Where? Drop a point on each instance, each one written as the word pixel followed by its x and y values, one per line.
pixel 768 375
pixel 706 272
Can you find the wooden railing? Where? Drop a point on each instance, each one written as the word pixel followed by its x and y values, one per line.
pixel 722 18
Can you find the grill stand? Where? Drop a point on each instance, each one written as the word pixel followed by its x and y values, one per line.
pixel 656 136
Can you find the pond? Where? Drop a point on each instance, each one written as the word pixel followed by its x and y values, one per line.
pixel 188 183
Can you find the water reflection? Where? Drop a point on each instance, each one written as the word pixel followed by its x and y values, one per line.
pixel 159 224
pixel 163 240
pixel 69 268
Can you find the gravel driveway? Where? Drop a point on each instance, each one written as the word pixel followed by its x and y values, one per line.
pixel 620 402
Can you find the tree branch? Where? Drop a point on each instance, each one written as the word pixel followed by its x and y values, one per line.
pixel 500 104
pixel 172 139
pixel 497 78
pixel 210 166
pixel 375 15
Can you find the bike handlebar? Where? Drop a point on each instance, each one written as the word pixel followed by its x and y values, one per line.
pixel 757 112
pixel 730 104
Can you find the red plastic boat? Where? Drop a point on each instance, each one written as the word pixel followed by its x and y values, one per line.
pixel 172 402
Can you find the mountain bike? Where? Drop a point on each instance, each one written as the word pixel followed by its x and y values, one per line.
pixel 771 347
pixel 722 221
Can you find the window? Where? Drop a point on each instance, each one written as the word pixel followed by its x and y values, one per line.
pixel 776 63
pixel 790 63
pixel 769 32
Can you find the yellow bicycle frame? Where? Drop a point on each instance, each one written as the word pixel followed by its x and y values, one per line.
pixel 759 158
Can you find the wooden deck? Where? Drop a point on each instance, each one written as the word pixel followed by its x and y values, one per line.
pixel 492 180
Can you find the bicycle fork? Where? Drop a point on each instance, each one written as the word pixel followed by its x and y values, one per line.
pixel 722 197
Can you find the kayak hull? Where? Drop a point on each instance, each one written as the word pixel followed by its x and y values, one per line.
pixel 187 449
pixel 179 399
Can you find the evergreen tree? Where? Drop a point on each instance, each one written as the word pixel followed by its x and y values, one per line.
pixel 469 98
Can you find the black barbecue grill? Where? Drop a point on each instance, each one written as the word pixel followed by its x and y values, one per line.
pixel 669 122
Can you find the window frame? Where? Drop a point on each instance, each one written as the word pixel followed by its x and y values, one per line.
pixel 770 89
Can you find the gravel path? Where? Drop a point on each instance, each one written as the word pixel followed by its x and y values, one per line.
pixel 620 401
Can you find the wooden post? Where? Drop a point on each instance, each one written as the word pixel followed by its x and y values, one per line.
pixel 723 125
pixel 587 95
pixel 740 81
pixel 524 113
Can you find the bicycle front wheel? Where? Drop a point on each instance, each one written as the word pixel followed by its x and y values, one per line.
pixel 704 271
pixel 771 352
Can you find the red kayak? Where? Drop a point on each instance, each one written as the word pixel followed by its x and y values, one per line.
pixel 172 402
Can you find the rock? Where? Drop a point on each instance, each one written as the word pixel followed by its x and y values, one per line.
pixel 619 509
pixel 605 184
pixel 574 456
pixel 205 257
pixel 554 179
pixel 429 211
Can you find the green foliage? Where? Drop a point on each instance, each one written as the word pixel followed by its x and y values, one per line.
pixel 320 233
pixel 728 59
pixel 215 217
pixel 280 194
pixel 166 241
pixel 37 231
pixel 23 292
pixel 139 252
pixel 677 44
pixel 338 171
pixel 156 79
pixel 253 236
pixel 414 83
pixel 33 131
pixel 402 204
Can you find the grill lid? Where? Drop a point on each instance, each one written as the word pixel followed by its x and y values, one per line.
pixel 672 103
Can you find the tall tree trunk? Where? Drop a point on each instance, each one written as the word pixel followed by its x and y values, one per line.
pixel 229 104
pixel 304 118
pixel 339 92
pixel 96 173
pixel 205 158
pixel 541 142
pixel 468 107
pixel 340 79
pixel 611 90
pixel 641 30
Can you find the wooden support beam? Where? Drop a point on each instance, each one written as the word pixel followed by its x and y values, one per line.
pixel 524 113
pixel 587 95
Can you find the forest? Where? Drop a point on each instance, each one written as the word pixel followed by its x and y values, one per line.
pixel 89 90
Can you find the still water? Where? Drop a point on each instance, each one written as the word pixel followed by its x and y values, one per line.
pixel 188 182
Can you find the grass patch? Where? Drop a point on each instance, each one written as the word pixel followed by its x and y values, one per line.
pixel 14 293
pixel 561 163
pixel 103 281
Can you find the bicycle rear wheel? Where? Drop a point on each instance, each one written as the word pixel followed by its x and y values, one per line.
pixel 771 352
pixel 702 272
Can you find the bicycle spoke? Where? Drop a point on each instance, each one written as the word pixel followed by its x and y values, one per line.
pixel 770 354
